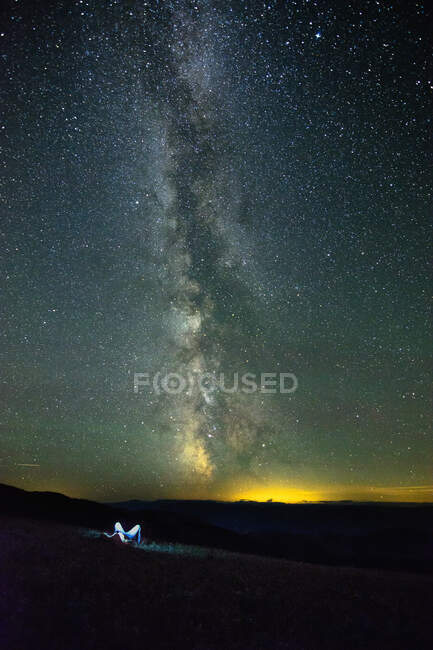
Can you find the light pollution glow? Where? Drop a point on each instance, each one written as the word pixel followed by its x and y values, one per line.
pixel 276 491
pixel 288 494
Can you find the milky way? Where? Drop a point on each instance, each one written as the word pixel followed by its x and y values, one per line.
pixel 197 189
pixel 201 235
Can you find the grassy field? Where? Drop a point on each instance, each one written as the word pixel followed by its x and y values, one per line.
pixel 67 588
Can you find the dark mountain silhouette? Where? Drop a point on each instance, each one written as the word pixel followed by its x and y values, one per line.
pixel 391 536
pixel 54 507
pixel 156 525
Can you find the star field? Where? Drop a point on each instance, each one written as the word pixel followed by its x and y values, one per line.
pixel 204 187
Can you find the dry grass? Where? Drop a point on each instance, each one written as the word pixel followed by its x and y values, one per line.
pixel 61 590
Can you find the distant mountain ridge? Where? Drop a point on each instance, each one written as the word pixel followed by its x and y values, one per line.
pixel 249 516
pixel 52 506
pixel 388 536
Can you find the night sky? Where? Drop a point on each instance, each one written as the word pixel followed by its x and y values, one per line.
pixel 216 187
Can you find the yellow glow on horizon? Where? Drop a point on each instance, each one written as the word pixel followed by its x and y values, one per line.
pixel 295 494
pixel 277 493
pixel 283 492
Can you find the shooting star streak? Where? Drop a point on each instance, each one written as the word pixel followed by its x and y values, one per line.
pixel 27 465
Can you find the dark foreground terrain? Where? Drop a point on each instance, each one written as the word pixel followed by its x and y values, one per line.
pixel 64 587
pixel 395 537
